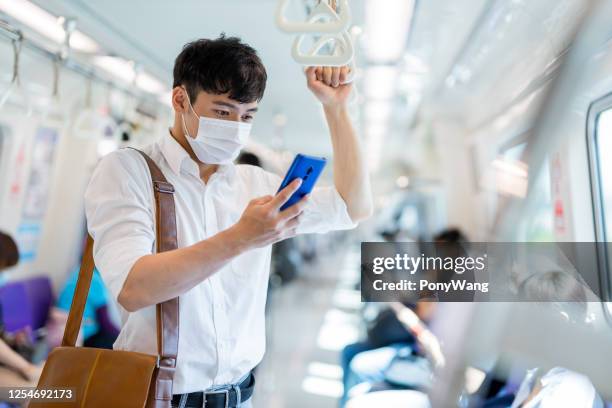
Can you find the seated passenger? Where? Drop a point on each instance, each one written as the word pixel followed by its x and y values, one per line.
pixel 366 364
pixel 368 361
pixel 559 387
pixel 15 371
pixel 562 293
pixel 398 365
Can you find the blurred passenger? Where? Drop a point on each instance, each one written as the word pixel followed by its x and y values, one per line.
pixel 9 254
pixel 372 366
pixel 414 322
pixel 15 371
pixel 563 294
pixel 248 158
pixel 97 329
pixel 452 243
pixel 560 288
pixel 400 332
pixel 559 387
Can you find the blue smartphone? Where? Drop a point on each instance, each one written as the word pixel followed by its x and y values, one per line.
pixel 308 168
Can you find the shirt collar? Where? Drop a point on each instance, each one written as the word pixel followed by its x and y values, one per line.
pixel 179 159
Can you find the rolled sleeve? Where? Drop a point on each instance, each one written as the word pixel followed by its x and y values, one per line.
pixel 119 216
pixel 326 210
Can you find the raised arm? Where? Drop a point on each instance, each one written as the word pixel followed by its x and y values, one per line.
pixel 351 178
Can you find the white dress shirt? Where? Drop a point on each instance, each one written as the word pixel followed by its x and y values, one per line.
pixel 561 388
pixel 222 331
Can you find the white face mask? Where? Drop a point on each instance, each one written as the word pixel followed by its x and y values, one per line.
pixel 217 141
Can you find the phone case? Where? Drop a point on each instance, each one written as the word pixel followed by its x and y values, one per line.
pixel 308 168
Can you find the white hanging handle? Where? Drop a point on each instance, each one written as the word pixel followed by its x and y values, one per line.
pixel 15 84
pixel 339 21
pixel 6 94
pixel 343 55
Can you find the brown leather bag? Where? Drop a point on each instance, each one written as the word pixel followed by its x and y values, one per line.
pixel 109 378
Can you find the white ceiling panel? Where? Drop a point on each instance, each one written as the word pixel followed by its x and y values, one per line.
pixel 153 32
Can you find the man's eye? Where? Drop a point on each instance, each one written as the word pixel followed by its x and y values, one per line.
pixel 222 113
pixel 247 118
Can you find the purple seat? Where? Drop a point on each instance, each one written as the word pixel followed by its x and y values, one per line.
pixel 26 303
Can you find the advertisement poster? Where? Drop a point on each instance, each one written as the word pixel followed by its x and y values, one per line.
pixel 36 192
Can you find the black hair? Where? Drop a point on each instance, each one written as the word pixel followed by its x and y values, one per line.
pixel 452 235
pixel 552 286
pixel 248 158
pixel 220 66
pixel 9 254
pixel 558 288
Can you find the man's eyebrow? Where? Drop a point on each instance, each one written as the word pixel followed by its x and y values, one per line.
pixel 232 106
pixel 226 104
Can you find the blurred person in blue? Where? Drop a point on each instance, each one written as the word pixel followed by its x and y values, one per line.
pixel 98 329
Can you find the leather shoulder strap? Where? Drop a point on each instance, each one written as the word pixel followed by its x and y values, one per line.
pixel 165 221
pixel 167 312
pixel 77 307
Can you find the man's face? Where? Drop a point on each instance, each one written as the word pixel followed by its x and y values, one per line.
pixel 215 107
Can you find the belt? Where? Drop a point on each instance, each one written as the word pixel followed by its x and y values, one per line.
pixel 224 398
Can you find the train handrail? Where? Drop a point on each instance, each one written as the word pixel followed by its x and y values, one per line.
pixel 343 51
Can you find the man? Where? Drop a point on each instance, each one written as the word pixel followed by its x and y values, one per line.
pixel 227 217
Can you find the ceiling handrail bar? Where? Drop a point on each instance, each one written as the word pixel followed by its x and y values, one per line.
pixel 80 68
pixel 339 21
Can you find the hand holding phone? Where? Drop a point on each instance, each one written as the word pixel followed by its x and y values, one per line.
pixel 263 223
pixel 269 219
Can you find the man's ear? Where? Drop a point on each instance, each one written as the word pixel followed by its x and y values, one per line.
pixel 179 99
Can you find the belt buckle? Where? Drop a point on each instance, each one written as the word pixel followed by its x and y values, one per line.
pixel 227 395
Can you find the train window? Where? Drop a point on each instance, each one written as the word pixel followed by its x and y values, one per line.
pixel 599 141
pixel 512 179
pixel 540 226
pixel 603 150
